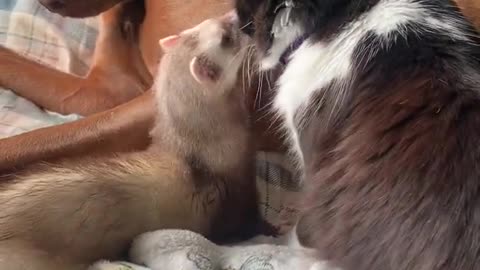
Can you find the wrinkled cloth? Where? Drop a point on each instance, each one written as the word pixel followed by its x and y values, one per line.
pixel 63 43
pixel 184 250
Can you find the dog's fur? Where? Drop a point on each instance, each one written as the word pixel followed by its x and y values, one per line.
pixel 79 9
pixel 471 8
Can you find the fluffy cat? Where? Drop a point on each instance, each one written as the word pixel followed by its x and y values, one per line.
pixel 381 101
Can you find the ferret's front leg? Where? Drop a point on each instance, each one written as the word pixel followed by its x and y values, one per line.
pixel 105 265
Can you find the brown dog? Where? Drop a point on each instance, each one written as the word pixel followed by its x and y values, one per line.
pixel 125 32
pixel 471 8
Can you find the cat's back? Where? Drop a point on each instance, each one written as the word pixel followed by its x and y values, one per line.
pixel 393 180
pixel 404 184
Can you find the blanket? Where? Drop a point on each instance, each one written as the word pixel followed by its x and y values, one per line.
pixel 65 44
pixel 68 44
pixel 184 250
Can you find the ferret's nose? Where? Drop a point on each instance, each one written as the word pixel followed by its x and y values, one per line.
pixel 229 24
pixel 231 17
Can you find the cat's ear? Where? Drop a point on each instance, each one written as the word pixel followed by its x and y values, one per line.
pixel 204 71
pixel 169 42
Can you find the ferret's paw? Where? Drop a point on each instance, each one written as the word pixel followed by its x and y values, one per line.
pixel 105 265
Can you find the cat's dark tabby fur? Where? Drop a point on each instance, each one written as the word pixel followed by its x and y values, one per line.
pixel 381 99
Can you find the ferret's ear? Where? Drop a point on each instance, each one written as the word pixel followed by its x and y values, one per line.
pixel 169 42
pixel 204 71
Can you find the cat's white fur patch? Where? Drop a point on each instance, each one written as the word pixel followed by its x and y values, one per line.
pixel 315 65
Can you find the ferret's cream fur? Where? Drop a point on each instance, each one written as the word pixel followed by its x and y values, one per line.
pixel 67 216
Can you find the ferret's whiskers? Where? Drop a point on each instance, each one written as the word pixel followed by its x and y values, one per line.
pixel 236 56
pixel 246 66
pixel 269 84
pixel 244 53
pixel 246 25
pixel 251 54
pixel 258 97
pixel 243 78
pixel 265 111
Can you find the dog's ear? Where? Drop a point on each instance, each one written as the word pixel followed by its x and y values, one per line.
pixel 204 71
pixel 169 42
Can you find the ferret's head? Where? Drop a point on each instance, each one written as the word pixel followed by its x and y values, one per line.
pixel 210 53
pixel 199 84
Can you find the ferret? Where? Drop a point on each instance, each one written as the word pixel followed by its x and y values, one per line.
pixel 197 175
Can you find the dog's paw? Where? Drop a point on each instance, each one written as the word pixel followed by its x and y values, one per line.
pixel 105 265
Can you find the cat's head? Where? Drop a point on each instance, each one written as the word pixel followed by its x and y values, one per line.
pixel 279 26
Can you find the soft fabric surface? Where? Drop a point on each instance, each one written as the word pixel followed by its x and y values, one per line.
pixel 68 44
pixel 183 250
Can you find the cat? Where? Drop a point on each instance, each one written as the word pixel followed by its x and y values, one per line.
pixel 380 99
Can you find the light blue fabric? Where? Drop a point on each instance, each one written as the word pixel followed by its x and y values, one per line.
pixel 66 44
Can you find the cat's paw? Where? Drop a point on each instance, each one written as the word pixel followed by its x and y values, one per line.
pixel 105 265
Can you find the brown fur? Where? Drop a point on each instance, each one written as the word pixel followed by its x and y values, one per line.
pixel 471 8
pixel 79 9
pixel 198 175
